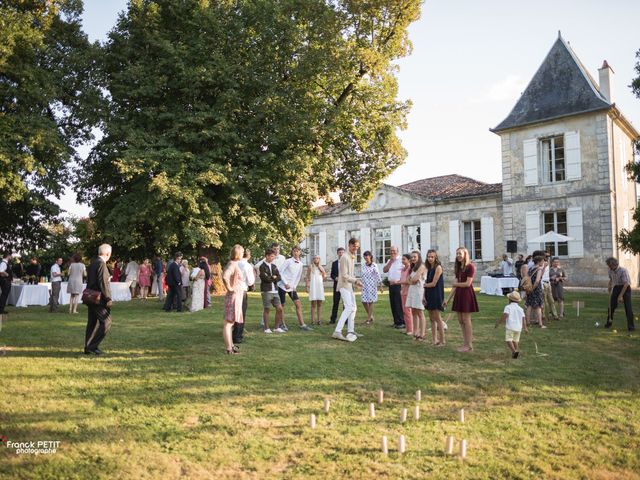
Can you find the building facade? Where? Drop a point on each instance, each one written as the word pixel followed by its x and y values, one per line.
pixel 564 148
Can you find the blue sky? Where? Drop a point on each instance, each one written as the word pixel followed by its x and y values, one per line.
pixel 471 61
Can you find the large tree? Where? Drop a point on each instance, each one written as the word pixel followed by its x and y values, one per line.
pixel 47 98
pixel 228 119
pixel 629 240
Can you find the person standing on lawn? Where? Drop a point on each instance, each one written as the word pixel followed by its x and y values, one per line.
pixel 393 269
pixel 346 280
pixel 336 291
pixel 99 316
pixel 515 321
pixel 290 276
pixel 619 292
pixel 464 298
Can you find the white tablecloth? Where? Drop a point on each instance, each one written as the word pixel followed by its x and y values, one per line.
pixel 119 292
pixel 494 285
pixel 25 295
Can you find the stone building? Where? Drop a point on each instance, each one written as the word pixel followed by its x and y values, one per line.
pixel 564 148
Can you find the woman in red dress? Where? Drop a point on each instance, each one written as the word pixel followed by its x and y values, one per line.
pixel 464 298
pixel 117 271
pixel 144 278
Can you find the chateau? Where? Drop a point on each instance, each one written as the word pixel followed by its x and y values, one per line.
pixel 565 145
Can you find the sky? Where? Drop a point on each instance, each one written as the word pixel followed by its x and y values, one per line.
pixel 470 62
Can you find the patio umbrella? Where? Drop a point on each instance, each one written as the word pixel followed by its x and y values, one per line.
pixel 550 236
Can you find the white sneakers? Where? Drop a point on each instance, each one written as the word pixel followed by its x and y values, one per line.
pixel 351 336
pixel 268 330
pixel 280 330
pixel 338 336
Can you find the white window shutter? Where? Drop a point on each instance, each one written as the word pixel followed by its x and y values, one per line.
pixel 341 242
pixel 486 238
pixel 303 246
pixel 365 240
pixel 572 155
pixel 454 239
pixel 425 238
pixel 533 230
pixel 322 248
pixel 530 151
pixel 396 237
pixel 574 230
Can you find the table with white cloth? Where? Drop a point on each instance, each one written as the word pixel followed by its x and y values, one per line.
pixel 120 292
pixel 25 295
pixel 494 285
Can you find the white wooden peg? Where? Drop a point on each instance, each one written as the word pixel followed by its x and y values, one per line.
pixel 385 446
pixel 372 410
pixel 449 445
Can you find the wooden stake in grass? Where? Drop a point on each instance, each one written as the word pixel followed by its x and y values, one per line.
pixel 418 395
pixel 402 444
pixel 313 420
pixel 327 405
pixel 578 305
pixel 463 449
pixel 381 396
pixel 372 410
pixel 462 415
pixel 416 412
pixel 449 445
pixel 385 446
pixel 403 415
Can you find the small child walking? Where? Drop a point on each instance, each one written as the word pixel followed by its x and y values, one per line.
pixel 513 316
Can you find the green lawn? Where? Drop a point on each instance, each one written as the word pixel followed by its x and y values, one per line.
pixel 167 403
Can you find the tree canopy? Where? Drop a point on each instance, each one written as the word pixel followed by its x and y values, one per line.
pixel 226 120
pixel 47 102
pixel 629 239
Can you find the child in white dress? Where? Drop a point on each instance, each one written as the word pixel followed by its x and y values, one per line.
pixel 316 275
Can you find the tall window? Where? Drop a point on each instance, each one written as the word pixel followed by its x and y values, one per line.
pixel 472 238
pixel 355 234
pixel 556 221
pixel 553 166
pixel 413 238
pixel 382 242
pixel 313 245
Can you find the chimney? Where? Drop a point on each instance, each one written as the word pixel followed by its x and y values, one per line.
pixel 606 81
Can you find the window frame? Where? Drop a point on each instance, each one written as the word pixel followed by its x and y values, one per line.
pixel 313 246
pixel 555 246
pixel 549 166
pixel 386 249
pixel 475 243
pixel 418 237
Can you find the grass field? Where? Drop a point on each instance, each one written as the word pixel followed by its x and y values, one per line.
pixel 167 403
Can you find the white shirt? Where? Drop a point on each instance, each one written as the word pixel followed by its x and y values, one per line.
pixel 56 269
pixel 248 275
pixel 277 261
pixel 395 270
pixel 132 270
pixel 545 275
pixel 290 274
pixel 514 320
pixel 506 266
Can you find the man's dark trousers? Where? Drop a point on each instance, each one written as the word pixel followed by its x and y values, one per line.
pixel 613 303
pixel 98 324
pixel 5 285
pixel 237 335
pixel 173 295
pixel 336 302
pixel 395 300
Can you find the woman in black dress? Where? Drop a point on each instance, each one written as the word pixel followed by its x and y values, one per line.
pixel 434 297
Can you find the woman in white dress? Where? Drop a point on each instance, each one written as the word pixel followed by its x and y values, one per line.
pixel 77 272
pixel 416 294
pixel 315 286
pixel 197 288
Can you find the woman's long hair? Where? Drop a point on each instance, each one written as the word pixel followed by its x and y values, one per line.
pixel 417 265
pixel 436 261
pixel 461 266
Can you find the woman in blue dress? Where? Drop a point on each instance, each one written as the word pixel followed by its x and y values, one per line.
pixel 370 283
pixel 434 297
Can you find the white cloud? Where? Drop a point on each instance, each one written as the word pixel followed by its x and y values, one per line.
pixel 508 88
